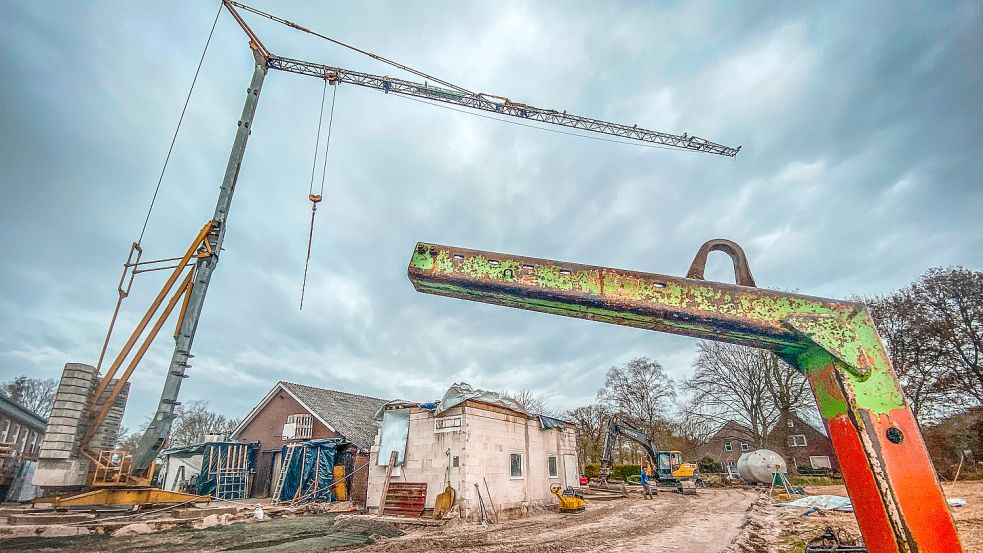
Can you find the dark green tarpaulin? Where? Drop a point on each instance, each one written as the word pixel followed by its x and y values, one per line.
pixel 205 482
pixel 235 484
pixel 310 473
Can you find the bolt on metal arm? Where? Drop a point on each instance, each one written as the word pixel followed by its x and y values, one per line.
pixel 890 479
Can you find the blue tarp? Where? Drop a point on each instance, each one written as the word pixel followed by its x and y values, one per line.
pixel 549 422
pixel 311 471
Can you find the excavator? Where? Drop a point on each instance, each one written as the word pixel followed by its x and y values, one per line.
pixel 670 470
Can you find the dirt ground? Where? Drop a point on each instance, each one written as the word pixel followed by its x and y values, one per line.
pixel 797 529
pixel 708 522
pixel 718 520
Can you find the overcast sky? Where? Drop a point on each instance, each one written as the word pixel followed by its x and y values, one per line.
pixel 861 167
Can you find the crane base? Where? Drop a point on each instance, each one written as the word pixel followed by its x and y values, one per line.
pixel 123 496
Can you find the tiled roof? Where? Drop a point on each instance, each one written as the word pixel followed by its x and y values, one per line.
pixel 352 415
pixel 21 413
pixel 733 429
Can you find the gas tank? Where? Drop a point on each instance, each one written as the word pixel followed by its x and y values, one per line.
pixel 761 465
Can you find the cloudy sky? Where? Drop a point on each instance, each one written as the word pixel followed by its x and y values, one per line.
pixel 861 167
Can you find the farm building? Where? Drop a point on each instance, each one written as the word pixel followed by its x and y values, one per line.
pixel 293 414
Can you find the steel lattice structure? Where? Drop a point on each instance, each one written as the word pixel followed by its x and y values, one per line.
pixel 495 104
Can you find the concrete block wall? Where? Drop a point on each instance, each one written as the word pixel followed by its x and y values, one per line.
pixel 71 400
pixel 483 445
pixel 59 464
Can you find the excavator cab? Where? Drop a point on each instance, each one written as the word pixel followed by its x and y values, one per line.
pixel 671 467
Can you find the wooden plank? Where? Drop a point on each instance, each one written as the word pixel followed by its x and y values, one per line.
pixel 385 483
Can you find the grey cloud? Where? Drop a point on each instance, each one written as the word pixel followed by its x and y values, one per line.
pixel 860 169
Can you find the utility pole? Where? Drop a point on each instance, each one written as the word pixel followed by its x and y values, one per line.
pixel 156 434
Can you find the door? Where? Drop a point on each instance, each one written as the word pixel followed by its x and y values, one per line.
pixel 571 474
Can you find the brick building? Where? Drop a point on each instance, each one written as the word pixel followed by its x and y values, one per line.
pixel 727 445
pixel 798 442
pixel 292 412
pixel 802 445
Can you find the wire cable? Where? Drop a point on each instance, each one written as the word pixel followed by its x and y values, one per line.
pixel 293 25
pixel 327 142
pixel 180 120
pixel 316 198
pixel 317 139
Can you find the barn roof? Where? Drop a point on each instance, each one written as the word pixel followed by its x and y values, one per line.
pixel 351 415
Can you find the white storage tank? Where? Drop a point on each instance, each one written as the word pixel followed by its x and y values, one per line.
pixel 760 465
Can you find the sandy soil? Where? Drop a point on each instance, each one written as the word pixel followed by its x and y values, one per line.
pixel 797 529
pixel 706 523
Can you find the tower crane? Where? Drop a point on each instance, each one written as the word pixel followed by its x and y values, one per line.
pixel 191 273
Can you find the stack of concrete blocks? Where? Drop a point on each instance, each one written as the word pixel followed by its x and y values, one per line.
pixel 60 464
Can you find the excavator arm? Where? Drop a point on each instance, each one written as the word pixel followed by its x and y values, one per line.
pixel 895 492
pixel 617 428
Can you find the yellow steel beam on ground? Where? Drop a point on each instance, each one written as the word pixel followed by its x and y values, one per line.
pixel 124 496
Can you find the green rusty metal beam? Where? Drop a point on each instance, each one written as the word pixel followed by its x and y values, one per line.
pixel 898 500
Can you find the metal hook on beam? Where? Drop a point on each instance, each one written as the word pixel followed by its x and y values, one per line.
pixel 742 272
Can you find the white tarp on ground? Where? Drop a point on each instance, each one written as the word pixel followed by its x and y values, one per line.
pixel 178 471
pixel 840 503
pixel 459 393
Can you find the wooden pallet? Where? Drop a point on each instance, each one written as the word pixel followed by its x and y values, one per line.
pixel 405 499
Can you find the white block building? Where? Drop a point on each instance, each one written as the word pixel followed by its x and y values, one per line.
pixel 480 436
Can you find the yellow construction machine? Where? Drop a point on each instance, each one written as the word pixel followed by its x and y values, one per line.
pixel 571 499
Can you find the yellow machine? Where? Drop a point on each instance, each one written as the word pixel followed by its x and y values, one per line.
pixel 571 500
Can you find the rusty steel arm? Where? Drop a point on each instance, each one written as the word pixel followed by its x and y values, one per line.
pixel 896 494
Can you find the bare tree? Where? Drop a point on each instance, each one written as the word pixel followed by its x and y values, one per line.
pixel 748 385
pixel 533 402
pixel 35 394
pixel 194 420
pixel 910 345
pixel 951 300
pixel 642 393
pixel 591 421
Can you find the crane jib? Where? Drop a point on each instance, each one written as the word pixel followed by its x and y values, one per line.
pixel 497 104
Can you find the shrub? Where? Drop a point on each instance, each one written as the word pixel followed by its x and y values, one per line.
pixel 621 472
pixel 708 465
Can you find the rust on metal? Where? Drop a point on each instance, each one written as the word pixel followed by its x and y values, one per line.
pixel 890 479
pixel 742 273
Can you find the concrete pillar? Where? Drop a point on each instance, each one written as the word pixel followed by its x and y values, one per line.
pixel 59 463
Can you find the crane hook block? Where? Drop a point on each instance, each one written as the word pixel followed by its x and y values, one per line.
pixel 314 197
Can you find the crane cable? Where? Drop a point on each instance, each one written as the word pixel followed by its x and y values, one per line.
pixel 180 120
pixel 316 198
pixel 398 65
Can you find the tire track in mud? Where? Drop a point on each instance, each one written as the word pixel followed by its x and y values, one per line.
pixel 706 523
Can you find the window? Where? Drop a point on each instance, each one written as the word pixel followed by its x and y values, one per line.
pixel 745 446
pixel 790 423
pixel 797 440
pixel 728 446
pixel 447 424
pixel 515 465
pixel 457 461
pixel 6 430
pixel 303 426
pixel 820 462
pixel 551 465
